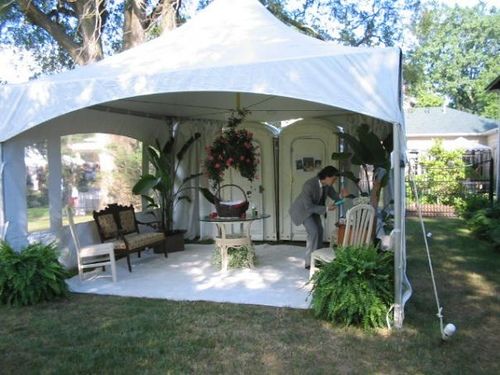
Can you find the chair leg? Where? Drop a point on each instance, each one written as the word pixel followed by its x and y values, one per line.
pixel 165 251
pixel 113 268
pixel 128 263
pixel 312 270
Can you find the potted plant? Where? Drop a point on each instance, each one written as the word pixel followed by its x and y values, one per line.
pixel 354 289
pixel 233 148
pixel 160 190
pixel 365 150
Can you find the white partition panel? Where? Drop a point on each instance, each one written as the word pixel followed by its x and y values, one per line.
pixel 304 148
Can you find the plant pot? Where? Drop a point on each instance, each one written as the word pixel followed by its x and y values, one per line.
pixel 174 240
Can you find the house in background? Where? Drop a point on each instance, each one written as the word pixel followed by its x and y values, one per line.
pixel 477 136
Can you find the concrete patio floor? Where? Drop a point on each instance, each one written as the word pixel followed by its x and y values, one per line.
pixel 279 278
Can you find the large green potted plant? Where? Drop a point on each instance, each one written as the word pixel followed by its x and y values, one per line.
pixel 364 150
pixel 164 189
pixel 356 288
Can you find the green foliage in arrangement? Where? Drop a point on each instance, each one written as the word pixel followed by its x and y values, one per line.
pixel 485 224
pixel 240 257
pixel 355 289
pixel 31 276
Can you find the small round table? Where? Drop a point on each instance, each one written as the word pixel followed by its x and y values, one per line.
pixel 224 240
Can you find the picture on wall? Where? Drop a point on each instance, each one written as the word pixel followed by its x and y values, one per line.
pixel 298 164
pixel 308 164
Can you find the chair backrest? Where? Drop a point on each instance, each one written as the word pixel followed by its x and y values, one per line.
pixel 3 230
pixel 72 229
pixel 359 225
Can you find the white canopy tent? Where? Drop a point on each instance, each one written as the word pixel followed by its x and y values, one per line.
pixel 194 73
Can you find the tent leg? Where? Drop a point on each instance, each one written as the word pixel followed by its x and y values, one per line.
pixel 398 217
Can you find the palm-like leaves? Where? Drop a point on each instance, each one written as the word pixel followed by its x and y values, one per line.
pixel 162 183
pixel 365 149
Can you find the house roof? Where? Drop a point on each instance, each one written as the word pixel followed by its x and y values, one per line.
pixel 445 121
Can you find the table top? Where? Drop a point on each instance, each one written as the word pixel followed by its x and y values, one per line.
pixel 218 219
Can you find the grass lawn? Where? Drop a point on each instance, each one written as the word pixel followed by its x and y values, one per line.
pixel 101 335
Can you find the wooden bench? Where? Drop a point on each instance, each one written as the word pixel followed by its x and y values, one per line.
pixel 118 224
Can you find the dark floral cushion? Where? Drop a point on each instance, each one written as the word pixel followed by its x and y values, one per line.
pixel 108 225
pixel 127 221
pixel 137 240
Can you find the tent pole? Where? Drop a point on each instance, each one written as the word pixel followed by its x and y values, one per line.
pixel 398 217
pixel 2 207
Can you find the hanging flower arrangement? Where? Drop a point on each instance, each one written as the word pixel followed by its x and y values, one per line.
pixel 232 149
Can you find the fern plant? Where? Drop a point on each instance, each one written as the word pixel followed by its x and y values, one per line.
pixel 238 257
pixel 30 276
pixel 355 289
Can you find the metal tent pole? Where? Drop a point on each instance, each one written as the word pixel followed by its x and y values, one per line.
pixel 398 217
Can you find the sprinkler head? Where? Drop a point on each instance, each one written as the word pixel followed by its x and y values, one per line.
pixel 448 331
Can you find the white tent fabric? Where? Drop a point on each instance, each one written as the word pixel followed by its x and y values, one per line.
pixel 232 53
pixel 231 46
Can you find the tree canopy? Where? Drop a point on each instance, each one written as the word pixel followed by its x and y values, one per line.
pixel 64 33
pixel 455 58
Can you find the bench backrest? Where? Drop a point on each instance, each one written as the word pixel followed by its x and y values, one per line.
pixel 114 220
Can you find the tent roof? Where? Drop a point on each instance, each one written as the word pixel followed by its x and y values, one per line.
pixel 232 46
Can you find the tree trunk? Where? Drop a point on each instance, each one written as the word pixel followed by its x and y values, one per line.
pixel 91 17
pixel 133 27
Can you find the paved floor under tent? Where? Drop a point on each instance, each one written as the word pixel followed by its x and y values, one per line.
pixel 279 278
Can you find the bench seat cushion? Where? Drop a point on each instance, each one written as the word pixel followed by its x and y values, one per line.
pixel 139 240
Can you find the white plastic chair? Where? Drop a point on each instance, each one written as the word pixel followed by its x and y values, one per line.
pixel 358 231
pixel 3 230
pixel 92 256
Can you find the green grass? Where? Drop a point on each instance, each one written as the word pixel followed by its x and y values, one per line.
pixel 39 219
pixel 89 334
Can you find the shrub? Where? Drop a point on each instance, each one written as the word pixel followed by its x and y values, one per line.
pixel 356 288
pixel 31 276
pixel 467 206
pixel 485 224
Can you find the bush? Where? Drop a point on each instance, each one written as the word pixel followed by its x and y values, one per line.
pixel 356 288
pixel 31 276
pixel 466 207
pixel 485 224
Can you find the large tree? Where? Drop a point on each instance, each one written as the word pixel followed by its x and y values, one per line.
pixel 455 57
pixel 83 31
pixel 61 33
pixel 359 23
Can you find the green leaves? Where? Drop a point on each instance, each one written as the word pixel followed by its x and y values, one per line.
pixel 31 276
pixel 366 149
pixel 354 289
pixel 162 183
pixel 455 57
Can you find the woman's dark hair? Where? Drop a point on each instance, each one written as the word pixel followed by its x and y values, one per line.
pixel 328 171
